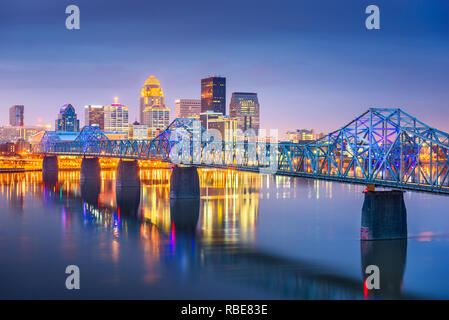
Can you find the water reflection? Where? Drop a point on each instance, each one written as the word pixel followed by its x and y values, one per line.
pixel 184 215
pixel 50 182
pixel 215 235
pixel 128 201
pixel 390 256
pixel 90 190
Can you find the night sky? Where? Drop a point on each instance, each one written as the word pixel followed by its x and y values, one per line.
pixel 312 63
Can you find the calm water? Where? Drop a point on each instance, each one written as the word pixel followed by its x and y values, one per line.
pixel 250 236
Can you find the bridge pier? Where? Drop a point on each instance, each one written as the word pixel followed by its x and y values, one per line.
pixel 128 174
pixel 384 216
pixel 90 169
pixel 184 183
pixel 127 187
pixel 90 181
pixel 50 168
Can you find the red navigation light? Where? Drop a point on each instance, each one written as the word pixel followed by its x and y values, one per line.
pixel 365 290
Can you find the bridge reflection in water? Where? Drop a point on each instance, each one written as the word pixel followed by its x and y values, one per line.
pixel 213 234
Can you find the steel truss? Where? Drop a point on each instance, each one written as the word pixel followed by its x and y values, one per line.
pixel 385 147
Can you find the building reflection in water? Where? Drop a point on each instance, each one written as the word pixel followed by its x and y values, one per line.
pixel 214 233
pixel 155 206
pixel 229 205
pixel 16 186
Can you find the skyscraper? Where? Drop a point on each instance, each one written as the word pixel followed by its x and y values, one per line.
pixel 94 116
pixel 213 94
pixel 223 124
pixel 67 119
pixel 187 108
pixel 244 108
pixel 16 116
pixel 157 118
pixel 116 117
pixel 151 95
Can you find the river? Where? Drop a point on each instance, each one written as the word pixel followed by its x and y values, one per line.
pixel 250 236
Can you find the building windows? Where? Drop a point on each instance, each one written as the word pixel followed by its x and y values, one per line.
pixel 67 119
pixel 213 95
pixel 244 108
pixel 116 118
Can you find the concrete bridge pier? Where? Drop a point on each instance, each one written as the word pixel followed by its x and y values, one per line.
pixel 127 187
pixel 128 174
pixel 184 183
pixel 50 169
pixel 384 216
pixel 90 170
pixel 90 180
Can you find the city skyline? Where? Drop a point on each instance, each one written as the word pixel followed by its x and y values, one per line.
pixel 311 68
pixel 213 152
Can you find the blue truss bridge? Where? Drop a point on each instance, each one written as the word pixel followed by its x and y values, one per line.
pixel 384 147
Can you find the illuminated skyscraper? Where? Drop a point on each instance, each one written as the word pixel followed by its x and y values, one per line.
pixel 94 116
pixel 217 121
pixel 16 116
pixel 157 118
pixel 213 95
pixel 188 108
pixel 244 108
pixel 67 119
pixel 151 95
pixel 116 118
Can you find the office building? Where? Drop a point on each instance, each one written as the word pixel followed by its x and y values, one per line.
pixel 67 119
pixel 94 116
pixel 225 125
pixel 150 95
pixel 16 133
pixel 188 108
pixel 300 136
pixel 116 118
pixel 16 115
pixel 7 149
pixel 213 94
pixel 244 108
pixel 157 118
pixel 138 131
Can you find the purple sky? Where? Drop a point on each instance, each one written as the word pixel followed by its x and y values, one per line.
pixel 312 63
